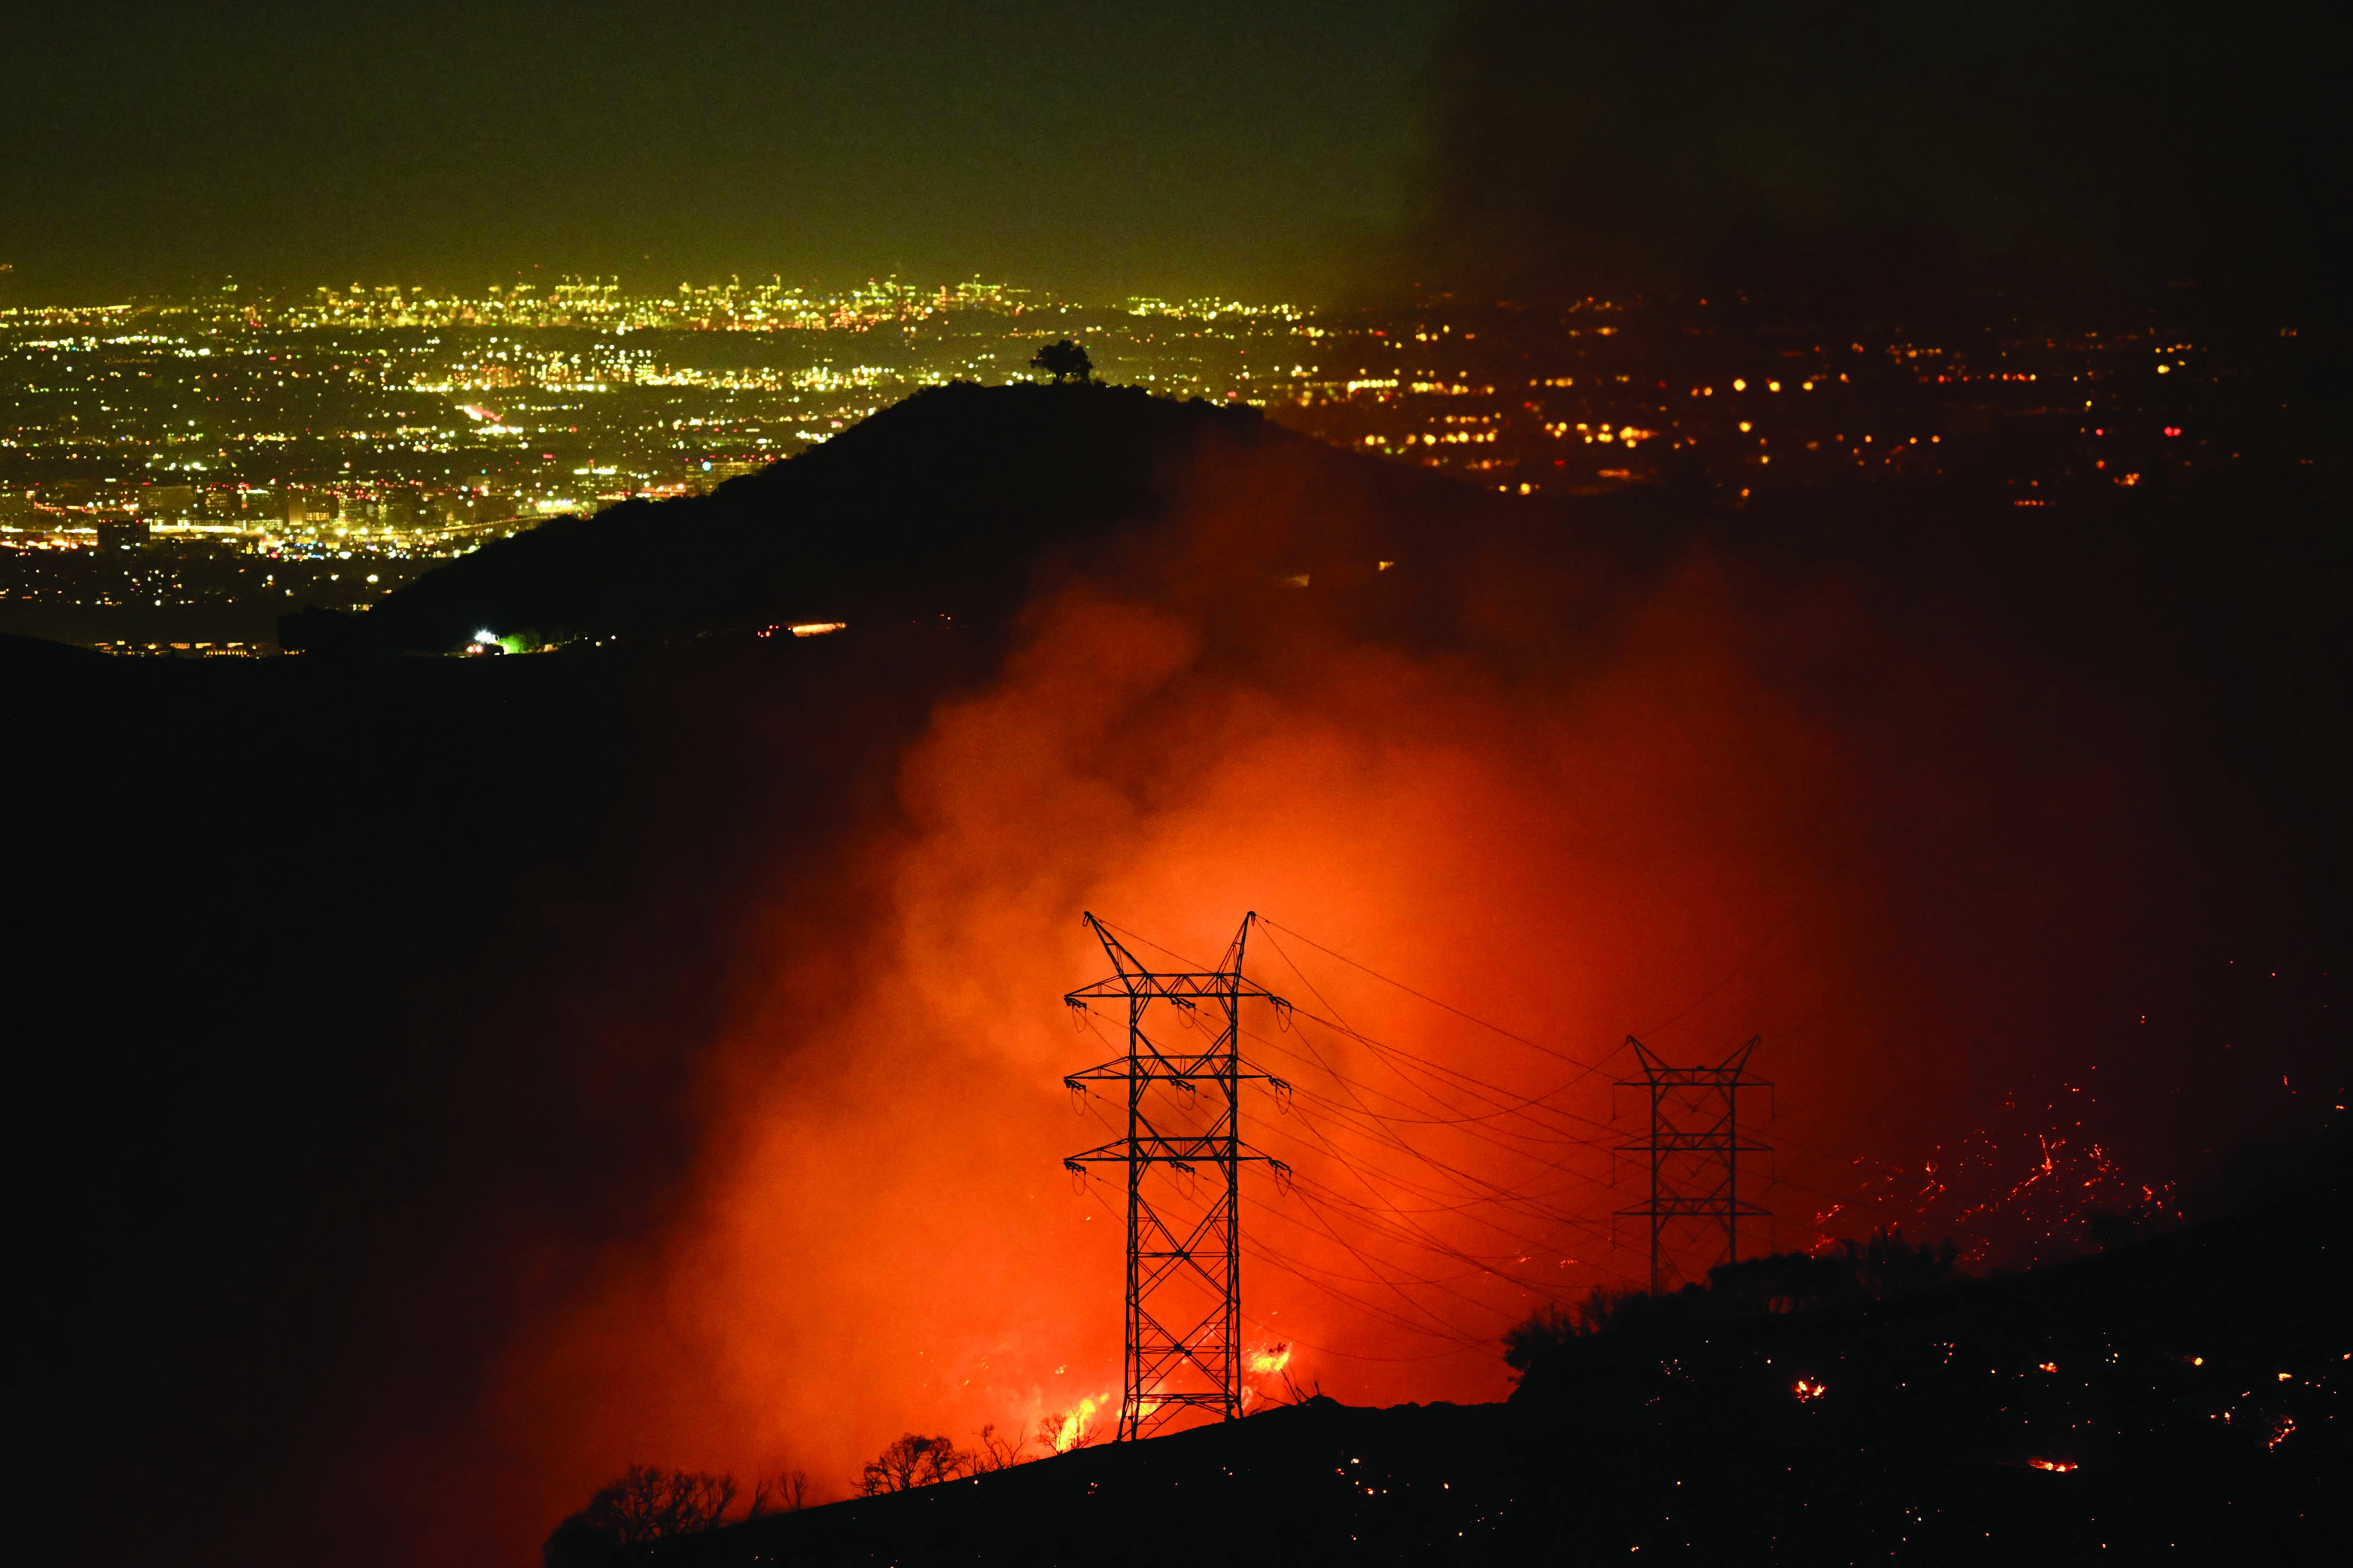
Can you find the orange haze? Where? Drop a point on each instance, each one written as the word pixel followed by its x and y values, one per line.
pixel 1920 875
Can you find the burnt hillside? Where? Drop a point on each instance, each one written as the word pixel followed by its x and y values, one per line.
pixel 2180 1399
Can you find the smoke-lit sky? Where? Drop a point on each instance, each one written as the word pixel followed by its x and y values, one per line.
pixel 1307 149
pixel 1146 146
pixel 1854 152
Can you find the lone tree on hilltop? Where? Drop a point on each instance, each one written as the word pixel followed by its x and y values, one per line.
pixel 1064 361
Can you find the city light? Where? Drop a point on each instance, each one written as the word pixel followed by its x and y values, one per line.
pixel 338 442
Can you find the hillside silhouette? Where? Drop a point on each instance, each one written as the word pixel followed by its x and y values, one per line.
pixel 363 1004
pixel 2184 1397
pixel 943 504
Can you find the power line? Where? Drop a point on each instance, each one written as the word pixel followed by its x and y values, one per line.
pixel 1431 1101
pixel 1584 1069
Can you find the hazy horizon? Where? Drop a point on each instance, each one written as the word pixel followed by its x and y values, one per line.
pixel 1162 150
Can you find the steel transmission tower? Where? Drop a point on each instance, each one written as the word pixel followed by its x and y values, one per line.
pixel 1183 1089
pixel 1695 1147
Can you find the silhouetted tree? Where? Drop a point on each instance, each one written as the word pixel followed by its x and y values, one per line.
pixel 1554 1325
pixel 784 1492
pixel 1880 1270
pixel 1064 361
pixel 997 1453
pixel 645 1504
pixel 579 1543
pixel 911 1461
pixel 1887 1265
pixel 1781 1282
pixel 1050 1432
pixel 1548 1328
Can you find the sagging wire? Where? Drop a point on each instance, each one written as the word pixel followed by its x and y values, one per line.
pixel 1398 1226
pixel 1585 1069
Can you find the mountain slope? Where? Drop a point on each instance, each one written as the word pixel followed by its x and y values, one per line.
pixel 941 505
pixel 2181 1396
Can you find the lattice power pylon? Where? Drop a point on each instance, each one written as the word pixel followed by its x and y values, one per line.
pixel 1183 1088
pixel 1694 1148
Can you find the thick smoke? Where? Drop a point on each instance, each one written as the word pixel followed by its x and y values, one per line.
pixel 1844 154
pixel 1938 876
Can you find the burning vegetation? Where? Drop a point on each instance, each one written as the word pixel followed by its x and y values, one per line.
pixel 1916 791
pixel 1906 1411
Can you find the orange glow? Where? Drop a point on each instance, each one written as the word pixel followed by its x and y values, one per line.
pixel 2058 1465
pixel 1077 1424
pixel 1809 1389
pixel 1690 830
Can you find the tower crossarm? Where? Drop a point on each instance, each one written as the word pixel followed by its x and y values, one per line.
pixel 1671 1143
pixel 1694 1077
pixel 1179 1070
pixel 1183 990
pixel 1697 1208
pixel 1210 1151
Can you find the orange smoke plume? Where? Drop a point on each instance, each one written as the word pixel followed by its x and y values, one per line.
pixel 1718 811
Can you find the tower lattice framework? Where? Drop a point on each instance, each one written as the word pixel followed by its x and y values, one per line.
pixel 1184 1154
pixel 1694 1148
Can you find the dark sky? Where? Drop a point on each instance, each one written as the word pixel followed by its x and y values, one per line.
pixel 1857 150
pixel 1282 148
pixel 1099 148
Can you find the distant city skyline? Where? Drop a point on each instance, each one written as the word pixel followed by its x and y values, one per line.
pixel 1147 149
pixel 870 296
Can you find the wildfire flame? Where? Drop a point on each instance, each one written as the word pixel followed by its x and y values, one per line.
pixel 1808 1389
pixel 2058 1465
pixel 1271 1360
pixel 1074 1425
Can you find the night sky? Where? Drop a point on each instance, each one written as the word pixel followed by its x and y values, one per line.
pixel 1098 149
pixel 1851 154
pixel 1315 150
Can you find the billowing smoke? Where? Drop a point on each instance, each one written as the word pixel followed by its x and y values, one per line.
pixel 1954 884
